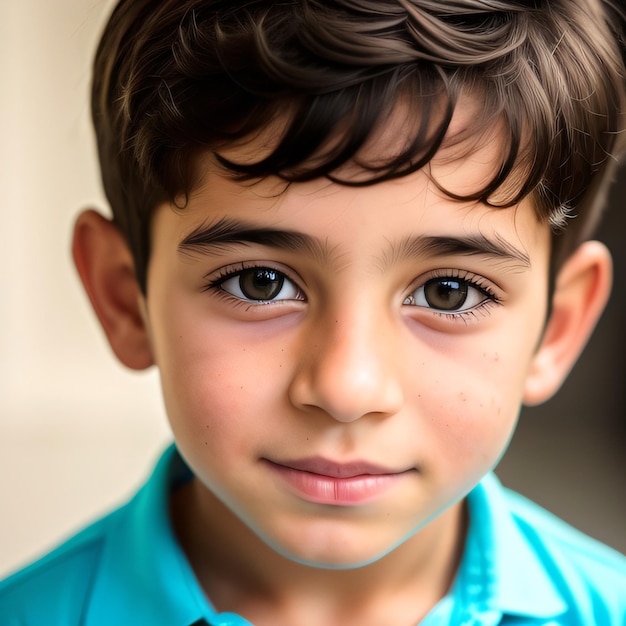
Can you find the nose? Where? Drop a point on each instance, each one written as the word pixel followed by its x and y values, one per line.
pixel 349 367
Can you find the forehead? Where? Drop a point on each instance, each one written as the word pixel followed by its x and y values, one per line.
pixel 374 225
pixel 378 217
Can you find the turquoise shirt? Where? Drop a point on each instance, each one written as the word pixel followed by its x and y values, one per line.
pixel 521 566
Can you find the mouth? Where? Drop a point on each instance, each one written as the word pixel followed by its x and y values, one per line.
pixel 321 481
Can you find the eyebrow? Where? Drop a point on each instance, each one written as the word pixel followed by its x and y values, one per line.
pixel 214 238
pixel 496 248
pixel 226 232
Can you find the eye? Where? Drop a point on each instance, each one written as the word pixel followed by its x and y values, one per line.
pixel 450 294
pixel 259 284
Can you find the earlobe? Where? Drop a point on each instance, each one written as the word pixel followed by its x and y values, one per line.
pixel 105 266
pixel 582 289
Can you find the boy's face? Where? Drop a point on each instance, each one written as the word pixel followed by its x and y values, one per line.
pixel 339 365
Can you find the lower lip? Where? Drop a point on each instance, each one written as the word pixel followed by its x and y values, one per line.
pixel 321 489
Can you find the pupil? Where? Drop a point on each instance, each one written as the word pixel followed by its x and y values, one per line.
pixel 446 295
pixel 261 283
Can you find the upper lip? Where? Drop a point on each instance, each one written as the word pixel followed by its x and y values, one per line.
pixel 325 467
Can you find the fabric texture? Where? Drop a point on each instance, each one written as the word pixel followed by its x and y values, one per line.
pixel 521 565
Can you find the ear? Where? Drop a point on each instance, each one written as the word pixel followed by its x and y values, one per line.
pixel 582 289
pixel 106 268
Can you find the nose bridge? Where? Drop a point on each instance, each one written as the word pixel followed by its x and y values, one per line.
pixel 350 368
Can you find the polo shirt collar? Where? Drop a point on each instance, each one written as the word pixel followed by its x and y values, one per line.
pixel 501 572
pixel 144 576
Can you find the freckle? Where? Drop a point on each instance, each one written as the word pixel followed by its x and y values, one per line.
pixel 206 443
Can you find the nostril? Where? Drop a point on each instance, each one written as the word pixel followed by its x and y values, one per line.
pixel 346 395
pixel 348 366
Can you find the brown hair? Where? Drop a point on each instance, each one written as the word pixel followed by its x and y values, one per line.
pixel 177 78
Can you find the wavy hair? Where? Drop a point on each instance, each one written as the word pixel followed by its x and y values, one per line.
pixel 174 79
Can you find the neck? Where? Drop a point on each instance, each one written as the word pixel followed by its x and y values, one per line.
pixel 242 574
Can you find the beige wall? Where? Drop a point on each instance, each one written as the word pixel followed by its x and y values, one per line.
pixel 77 431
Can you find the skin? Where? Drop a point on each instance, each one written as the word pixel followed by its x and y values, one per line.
pixel 346 367
pixel 355 359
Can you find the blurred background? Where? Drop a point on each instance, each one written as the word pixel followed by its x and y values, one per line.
pixel 78 433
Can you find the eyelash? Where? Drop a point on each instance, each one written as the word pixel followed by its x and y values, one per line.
pixel 472 281
pixel 232 271
pixel 468 279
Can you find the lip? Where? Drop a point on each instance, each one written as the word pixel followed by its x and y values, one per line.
pixel 324 467
pixel 322 481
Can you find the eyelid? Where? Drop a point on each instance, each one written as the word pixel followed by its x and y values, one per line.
pixel 475 281
pixel 478 281
pixel 217 277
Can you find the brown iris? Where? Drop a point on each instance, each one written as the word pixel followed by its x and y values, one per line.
pixel 261 283
pixel 445 294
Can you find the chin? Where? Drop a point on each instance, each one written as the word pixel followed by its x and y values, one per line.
pixel 339 557
pixel 334 563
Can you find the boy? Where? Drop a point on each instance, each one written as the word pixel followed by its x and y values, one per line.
pixel 341 231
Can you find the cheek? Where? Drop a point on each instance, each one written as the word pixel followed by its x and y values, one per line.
pixel 208 396
pixel 470 406
pixel 219 385
pixel 206 385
